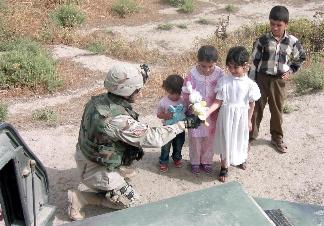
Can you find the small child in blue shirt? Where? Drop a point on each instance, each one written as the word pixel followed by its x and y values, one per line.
pixel 171 109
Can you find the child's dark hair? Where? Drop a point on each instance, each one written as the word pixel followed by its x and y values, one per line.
pixel 237 56
pixel 279 13
pixel 207 53
pixel 173 84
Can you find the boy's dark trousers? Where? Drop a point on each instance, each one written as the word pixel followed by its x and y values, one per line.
pixel 272 91
pixel 177 144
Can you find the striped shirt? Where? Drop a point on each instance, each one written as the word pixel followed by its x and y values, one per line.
pixel 274 57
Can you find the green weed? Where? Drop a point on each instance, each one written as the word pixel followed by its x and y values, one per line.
pixel 182 26
pixel 287 109
pixel 3 6
pixel 310 33
pixel 176 3
pixel 231 8
pixel 96 47
pixel 26 63
pixel 124 7
pixel 67 15
pixel 203 21
pixel 165 27
pixel 310 79
pixel 187 6
pixel 3 112
pixel 45 115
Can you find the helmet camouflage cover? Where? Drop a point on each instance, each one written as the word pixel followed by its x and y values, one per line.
pixel 123 79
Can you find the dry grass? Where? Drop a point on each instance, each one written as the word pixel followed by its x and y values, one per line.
pixel 29 17
pixel 114 45
pixel 179 65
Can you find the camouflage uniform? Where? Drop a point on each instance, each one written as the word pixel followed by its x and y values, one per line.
pixel 108 126
pixel 109 134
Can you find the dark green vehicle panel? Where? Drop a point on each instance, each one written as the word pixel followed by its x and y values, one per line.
pixel 23 182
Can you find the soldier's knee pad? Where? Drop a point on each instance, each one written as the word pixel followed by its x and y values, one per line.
pixel 120 198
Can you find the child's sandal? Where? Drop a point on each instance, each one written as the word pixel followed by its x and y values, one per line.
pixel 222 174
pixel 242 166
pixel 195 169
pixel 207 168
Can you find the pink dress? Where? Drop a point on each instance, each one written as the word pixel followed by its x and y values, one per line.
pixel 201 139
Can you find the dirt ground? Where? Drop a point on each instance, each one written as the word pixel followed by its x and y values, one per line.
pixel 295 176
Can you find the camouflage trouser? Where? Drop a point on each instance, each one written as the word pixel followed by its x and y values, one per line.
pixel 96 176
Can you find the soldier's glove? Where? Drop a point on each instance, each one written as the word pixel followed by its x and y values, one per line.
pixel 192 122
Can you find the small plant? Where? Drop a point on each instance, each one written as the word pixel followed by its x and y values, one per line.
pixel 3 112
pixel 96 47
pixel 310 79
pixel 231 8
pixel 165 27
pixel 25 63
pixel 203 21
pixel 187 6
pixel 124 7
pixel 176 3
pixel 287 109
pixel 182 26
pixel 67 16
pixel 3 5
pixel 46 115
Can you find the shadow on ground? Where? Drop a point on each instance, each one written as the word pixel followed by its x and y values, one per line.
pixel 60 181
pixel 150 163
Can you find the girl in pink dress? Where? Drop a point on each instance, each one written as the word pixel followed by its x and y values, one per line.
pixel 203 77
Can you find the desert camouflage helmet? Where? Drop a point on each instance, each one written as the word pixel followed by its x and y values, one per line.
pixel 123 79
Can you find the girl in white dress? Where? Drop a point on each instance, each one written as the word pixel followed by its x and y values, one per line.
pixel 235 96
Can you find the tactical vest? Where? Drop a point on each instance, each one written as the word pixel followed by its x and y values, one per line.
pixel 94 140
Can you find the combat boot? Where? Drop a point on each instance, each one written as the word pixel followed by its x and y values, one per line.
pixel 116 202
pixel 126 172
pixel 78 200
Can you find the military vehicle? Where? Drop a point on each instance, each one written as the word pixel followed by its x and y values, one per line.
pixel 24 195
pixel 24 186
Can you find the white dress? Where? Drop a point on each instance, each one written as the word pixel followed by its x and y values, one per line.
pixel 232 130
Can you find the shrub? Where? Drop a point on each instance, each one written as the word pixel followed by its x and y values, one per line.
pixel 26 63
pixel 3 5
pixel 3 111
pixel 67 15
pixel 203 21
pixel 287 109
pixel 187 6
pixel 182 26
pixel 46 115
pixel 124 7
pixel 165 27
pixel 96 47
pixel 52 3
pixel 231 8
pixel 310 33
pixel 176 3
pixel 5 28
pixel 310 79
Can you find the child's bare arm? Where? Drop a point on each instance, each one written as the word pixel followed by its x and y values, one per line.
pixel 217 103
pixel 251 109
pixel 164 116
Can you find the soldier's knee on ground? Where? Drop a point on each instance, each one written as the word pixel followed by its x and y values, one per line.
pixel 126 172
pixel 120 199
